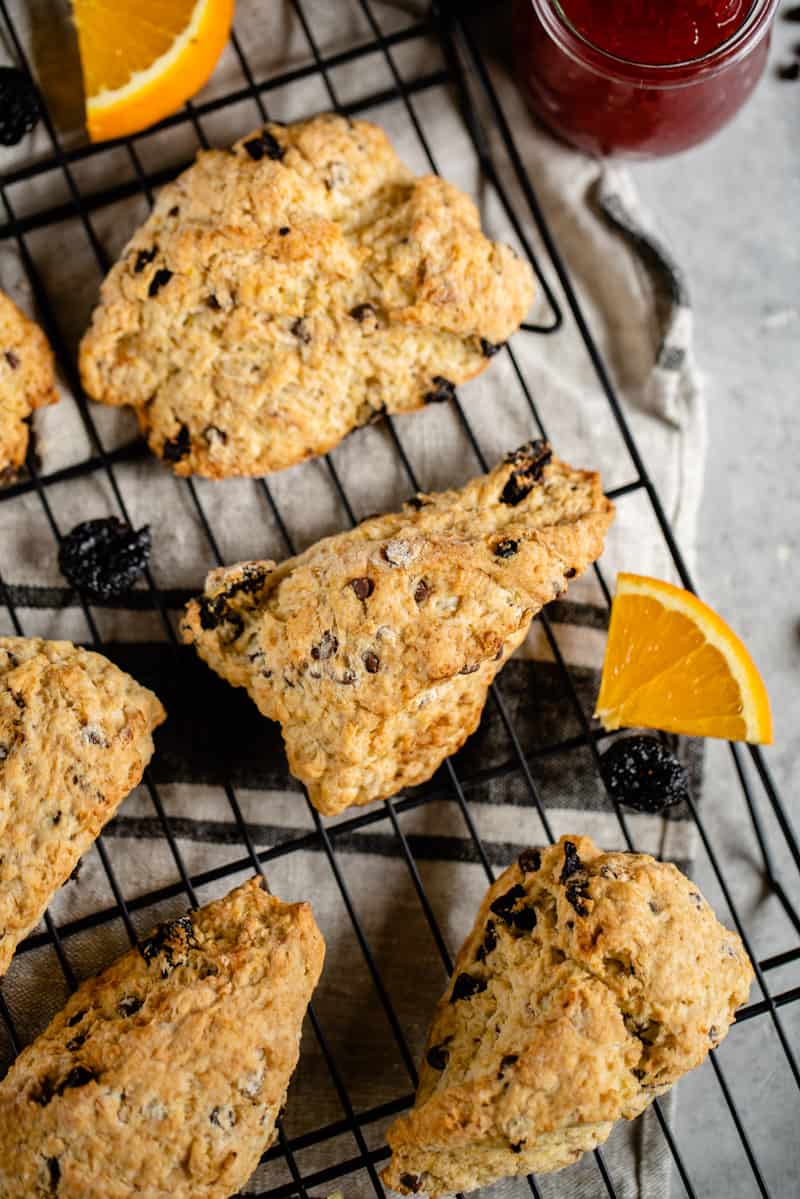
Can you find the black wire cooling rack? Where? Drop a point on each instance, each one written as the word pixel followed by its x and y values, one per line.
pixel 466 75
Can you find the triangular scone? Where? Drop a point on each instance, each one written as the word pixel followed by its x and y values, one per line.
pixel 289 290
pixel 590 983
pixel 27 381
pixel 165 1074
pixel 75 737
pixel 375 648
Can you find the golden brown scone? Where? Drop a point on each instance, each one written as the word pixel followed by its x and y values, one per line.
pixel 165 1074
pixel 283 293
pixel 27 381
pixel 375 648
pixel 75 737
pixel 590 983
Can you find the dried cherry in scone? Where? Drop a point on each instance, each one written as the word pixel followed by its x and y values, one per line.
pixel 104 557
pixel 19 106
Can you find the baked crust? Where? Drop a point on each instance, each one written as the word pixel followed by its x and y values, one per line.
pixel 75 737
pixel 27 381
pixel 375 648
pixel 283 293
pixel 589 984
pixel 165 1074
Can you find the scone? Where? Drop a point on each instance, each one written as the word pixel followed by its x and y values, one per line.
pixel 286 291
pixel 27 381
pixel 375 648
pixel 165 1074
pixel 590 983
pixel 75 737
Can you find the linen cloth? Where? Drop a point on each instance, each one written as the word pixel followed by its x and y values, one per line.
pixel 215 746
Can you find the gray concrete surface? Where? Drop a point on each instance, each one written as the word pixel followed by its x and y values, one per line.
pixel 731 210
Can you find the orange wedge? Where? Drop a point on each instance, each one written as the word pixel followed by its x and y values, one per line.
pixel 142 59
pixel 672 663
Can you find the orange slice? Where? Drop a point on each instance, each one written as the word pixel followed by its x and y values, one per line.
pixel 142 59
pixel 672 663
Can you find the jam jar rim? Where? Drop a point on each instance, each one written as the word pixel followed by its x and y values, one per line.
pixel 684 73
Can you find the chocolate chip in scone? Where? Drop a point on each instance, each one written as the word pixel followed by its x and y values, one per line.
pixel 572 863
pixel 299 329
pixel 129 1005
pixel 465 986
pixel 643 774
pixel 363 587
pixel 529 861
pixel 490 348
pixel 506 548
pixel 442 391
pixel 508 1060
pixel 264 146
pixel 325 648
pixel 104 557
pixel 421 592
pixel 488 944
pixel 372 662
pixel 437 1057
pixel 411 1182
pixel 529 461
pixel 12 359
pixel 143 259
pixel 53 1173
pixel 177 448
pixel 20 106
pixel 159 280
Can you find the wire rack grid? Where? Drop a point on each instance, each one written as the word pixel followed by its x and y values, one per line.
pixel 468 77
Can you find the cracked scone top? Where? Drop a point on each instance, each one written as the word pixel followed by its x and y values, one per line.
pixel 27 382
pixel 285 292
pixel 375 648
pixel 589 984
pixel 75 737
pixel 165 1074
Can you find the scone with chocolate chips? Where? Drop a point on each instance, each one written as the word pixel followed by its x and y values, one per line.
pixel 27 381
pixel 283 293
pixel 590 983
pixel 165 1074
pixel 375 648
pixel 75 737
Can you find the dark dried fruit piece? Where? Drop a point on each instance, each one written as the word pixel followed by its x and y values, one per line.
pixel 362 587
pixel 524 920
pixel 300 330
pixel 417 503
pixel 442 391
pixel 466 986
pixel 12 359
pixel 506 548
pixel 129 1005
pixel 283 231
pixel 213 303
pixel 19 106
pixel 264 146
pixel 508 1060
pixel 530 860
pixel 372 662
pixel 528 461
pixel 578 890
pixel 490 348
pixel 489 942
pixel 54 1173
pixel 104 557
pixel 326 647
pixel 437 1057
pixel 411 1182
pixel 143 259
pixel 176 448
pixel 421 592
pixel 159 280
pixel 169 943
pixel 643 774
pixel 517 1146
pixel 504 903
pixel 75 1019
pixel 572 863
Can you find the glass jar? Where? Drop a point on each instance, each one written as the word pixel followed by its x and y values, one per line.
pixel 609 105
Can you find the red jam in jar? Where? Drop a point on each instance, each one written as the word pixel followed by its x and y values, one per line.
pixel 639 77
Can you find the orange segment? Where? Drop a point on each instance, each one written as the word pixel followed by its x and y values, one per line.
pixel 672 663
pixel 142 59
